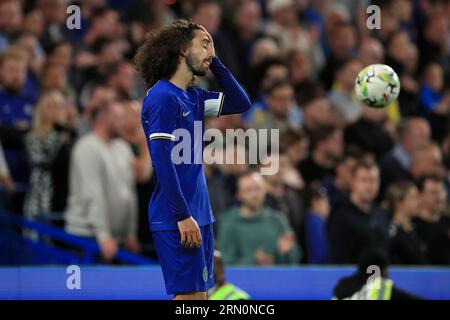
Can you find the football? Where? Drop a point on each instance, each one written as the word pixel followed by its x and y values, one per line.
pixel 377 85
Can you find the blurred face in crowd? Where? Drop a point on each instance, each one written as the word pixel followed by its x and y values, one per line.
pixel 251 191
pixel 274 73
pixel 54 10
pixel 100 95
pixel 365 184
pixel 108 24
pixel 417 136
pixel 426 160
pixel 62 55
pixel 115 119
pixel 110 54
pixel 343 41
pixel 299 66
pixel 200 53
pixel 208 15
pixel 248 18
pixel 318 113
pixel 54 77
pixel 436 30
pixel 371 51
pixel 285 16
pixel 34 23
pixel 433 196
pixel 344 172
pixel 280 100
pixel 434 77
pixel 346 76
pixel 298 151
pixel 402 9
pixel 409 204
pixel 52 109
pixel 397 45
pixel 264 48
pixel 331 147
pixel 13 73
pixel 10 16
pixel 126 77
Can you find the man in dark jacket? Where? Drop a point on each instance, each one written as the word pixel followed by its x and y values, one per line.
pixel 356 225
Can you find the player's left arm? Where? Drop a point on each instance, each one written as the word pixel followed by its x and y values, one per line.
pixel 232 99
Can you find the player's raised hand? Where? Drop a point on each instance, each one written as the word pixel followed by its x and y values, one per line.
pixel 190 233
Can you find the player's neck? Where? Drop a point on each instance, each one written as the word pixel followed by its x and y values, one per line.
pixel 183 77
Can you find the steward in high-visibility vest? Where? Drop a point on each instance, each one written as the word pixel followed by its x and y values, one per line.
pixel 371 280
pixel 224 290
pixel 228 292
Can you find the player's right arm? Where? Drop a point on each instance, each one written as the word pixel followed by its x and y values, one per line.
pixel 160 118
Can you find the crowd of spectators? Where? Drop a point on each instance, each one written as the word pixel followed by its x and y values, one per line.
pixel 351 178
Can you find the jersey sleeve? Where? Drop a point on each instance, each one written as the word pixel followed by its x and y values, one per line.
pixel 161 118
pixel 212 102
pixel 159 121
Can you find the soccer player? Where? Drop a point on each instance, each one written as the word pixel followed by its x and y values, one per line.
pixel 180 213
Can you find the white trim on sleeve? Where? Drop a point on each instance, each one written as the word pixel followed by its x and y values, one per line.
pixel 162 135
pixel 213 107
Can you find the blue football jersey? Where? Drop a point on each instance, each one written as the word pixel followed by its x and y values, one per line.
pixel 165 109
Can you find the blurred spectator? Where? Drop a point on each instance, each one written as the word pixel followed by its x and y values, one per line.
pixel 122 79
pixel 100 94
pixel 435 101
pixel 317 113
pixel 425 161
pixel 357 225
pixel 16 108
pixel 10 22
pixel 15 101
pixel 102 202
pixel 283 191
pixel 252 234
pixel 433 40
pixel 405 247
pixel 414 132
pixel 33 23
pixel 342 41
pixel 433 223
pixel 342 96
pixel 264 74
pixel 338 186
pixel 48 147
pixel 370 51
pixel 327 149
pixel 5 179
pixel 371 133
pixel 295 145
pixel 285 26
pixel 316 219
pixel 281 112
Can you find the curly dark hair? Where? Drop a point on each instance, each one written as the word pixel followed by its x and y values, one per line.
pixel 158 57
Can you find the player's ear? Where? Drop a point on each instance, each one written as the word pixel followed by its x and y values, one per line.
pixel 184 52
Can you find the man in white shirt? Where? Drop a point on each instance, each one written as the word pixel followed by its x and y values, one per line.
pixel 102 198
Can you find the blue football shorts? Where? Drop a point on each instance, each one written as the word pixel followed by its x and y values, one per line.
pixel 186 269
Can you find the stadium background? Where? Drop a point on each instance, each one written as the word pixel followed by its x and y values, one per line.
pixel 297 60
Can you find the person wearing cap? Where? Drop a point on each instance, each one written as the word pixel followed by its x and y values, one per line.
pixel 224 290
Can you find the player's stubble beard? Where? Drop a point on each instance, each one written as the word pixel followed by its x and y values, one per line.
pixel 195 65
